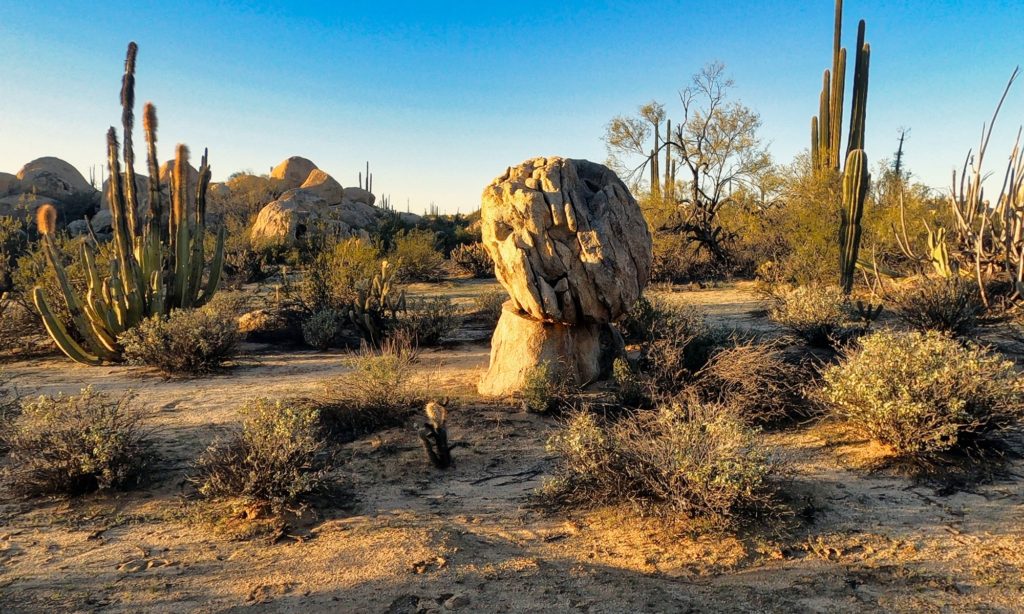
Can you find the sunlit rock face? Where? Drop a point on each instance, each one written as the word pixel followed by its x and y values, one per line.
pixel 572 248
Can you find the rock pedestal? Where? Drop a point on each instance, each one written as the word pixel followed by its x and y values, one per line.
pixel 571 247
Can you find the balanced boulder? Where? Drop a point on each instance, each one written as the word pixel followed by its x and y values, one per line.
pixel 324 186
pixel 293 172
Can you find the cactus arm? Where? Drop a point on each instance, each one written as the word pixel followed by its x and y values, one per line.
pixel 60 335
pixel 855 187
pixel 216 267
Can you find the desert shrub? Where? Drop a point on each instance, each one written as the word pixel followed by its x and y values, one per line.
pixel 187 342
pixel 9 408
pixel 639 321
pixel 417 256
pixel 377 392
pixel 488 304
pixel 935 303
pixel 427 320
pixel 688 458
pixel 546 389
pixel 20 326
pixel 275 460
pixel 334 276
pixel 815 313
pixel 630 389
pixel 14 237
pixel 473 259
pixel 921 393
pixel 754 379
pixel 682 343
pixel 323 329
pixel 76 444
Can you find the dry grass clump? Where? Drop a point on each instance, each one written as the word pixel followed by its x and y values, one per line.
pixel 276 460
pixel 187 342
pixel 923 393
pixel 755 380
pixel 686 457
pixel 76 444
pixel 815 313
pixel 936 303
pixel 377 393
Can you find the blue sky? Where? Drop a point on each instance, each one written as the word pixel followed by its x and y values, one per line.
pixel 441 97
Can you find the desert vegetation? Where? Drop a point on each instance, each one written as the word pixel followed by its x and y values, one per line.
pixel 674 375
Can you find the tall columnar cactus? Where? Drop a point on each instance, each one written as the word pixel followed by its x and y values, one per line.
pixel 157 266
pixel 826 140
pixel 855 190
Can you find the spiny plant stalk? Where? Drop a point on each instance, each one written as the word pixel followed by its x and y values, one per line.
pixel 855 190
pixel 156 267
pixel 434 435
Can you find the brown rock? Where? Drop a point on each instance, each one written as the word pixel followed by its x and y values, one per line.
pixel 324 186
pixel 167 174
pixel 290 217
pixel 292 172
pixel 584 353
pixel 8 184
pixel 569 242
pixel 53 178
pixel 360 195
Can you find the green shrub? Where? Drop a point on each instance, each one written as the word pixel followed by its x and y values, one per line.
pixel 417 256
pixel 687 458
pixel 640 320
pixel 546 389
pixel 187 342
pixel 377 392
pixel 323 329
pixel 922 393
pixel 488 305
pixel 428 320
pixel 76 444
pixel 334 276
pixel 945 305
pixel 275 460
pixel 629 386
pixel 473 259
pixel 815 313
pixel 753 379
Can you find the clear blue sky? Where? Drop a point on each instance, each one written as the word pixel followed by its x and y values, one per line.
pixel 440 98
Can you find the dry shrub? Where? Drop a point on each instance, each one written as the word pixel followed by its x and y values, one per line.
pixel 815 313
pixel 936 303
pixel 377 393
pixel 76 444
pixel 332 278
pixel 700 460
pixel 682 342
pixel 473 259
pixel 630 387
pixel 755 380
pixel 276 460
pixel 639 322
pixel 417 256
pixel 428 320
pixel 488 305
pixel 546 389
pixel 923 393
pixel 187 342
pixel 324 328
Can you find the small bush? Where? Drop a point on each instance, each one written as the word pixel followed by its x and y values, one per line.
pixel 815 313
pixel 699 460
pixel 333 277
pixel 755 380
pixel 188 342
pixel 489 305
pixel 323 329
pixel 639 322
pixel 945 305
pixel 275 460
pixel 426 321
pixel 417 257
pixel 76 444
pixel 629 386
pixel 922 393
pixel 378 392
pixel 545 389
pixel 473 259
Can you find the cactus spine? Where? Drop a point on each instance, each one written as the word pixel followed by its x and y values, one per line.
pixel 826 140
pixel 157 266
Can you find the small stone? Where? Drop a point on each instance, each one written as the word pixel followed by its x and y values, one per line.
pixel 456 602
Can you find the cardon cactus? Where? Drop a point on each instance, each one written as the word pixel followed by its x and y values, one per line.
pixel 158 266
pixel 855 191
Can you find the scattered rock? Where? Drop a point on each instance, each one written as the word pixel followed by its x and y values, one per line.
pixel 359 195
pixel 456 602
